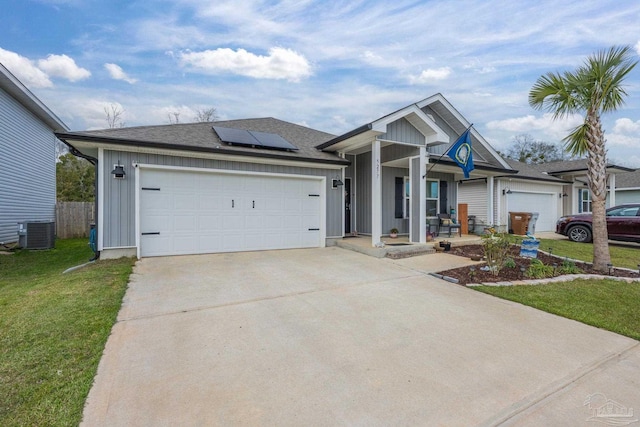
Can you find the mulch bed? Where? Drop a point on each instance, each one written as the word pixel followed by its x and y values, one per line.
pixel 465 275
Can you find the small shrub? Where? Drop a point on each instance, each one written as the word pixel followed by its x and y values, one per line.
pixel 569 267
pixel 509 263
pixel 537 270
pixel 496 248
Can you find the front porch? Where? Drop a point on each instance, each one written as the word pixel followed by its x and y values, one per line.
pixel 400 247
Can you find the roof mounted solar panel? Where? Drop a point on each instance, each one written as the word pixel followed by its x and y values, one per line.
pixel 271 140
pixel 253 139
pixel 236 136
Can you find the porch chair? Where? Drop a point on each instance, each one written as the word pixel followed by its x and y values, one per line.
pixel 447 224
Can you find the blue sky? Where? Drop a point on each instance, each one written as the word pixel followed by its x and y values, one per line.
pixel 329 65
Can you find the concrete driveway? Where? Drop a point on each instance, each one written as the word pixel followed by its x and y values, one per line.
pixel 331 337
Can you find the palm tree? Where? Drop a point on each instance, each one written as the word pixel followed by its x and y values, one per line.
pixel 592 89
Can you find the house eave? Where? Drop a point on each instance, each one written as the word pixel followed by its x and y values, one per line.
pixel 10 84
pixel 66 137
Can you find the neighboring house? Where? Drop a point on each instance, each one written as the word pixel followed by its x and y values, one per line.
pixel 623 184
pixel 268 184
pixel 627 188
pixel 529 190
pixel 27 157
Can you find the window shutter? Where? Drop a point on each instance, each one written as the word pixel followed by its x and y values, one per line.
pixel 399 197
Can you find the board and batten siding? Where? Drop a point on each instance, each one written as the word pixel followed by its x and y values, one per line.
pixel 403 131
pixel 363 193
pixel 27 162
pixel 119 195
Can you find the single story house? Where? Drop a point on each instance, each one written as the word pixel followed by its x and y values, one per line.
pixel 253 184
pixel 528 190
pixel 623 184
pixel 27 158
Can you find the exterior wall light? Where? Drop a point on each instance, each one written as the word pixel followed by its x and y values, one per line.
pixel 335 183
pixel 118 171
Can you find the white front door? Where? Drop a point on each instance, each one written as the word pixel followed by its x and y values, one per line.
pixel 188 212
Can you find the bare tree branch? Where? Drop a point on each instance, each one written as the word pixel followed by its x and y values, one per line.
pixel 114 116
pixel 206 115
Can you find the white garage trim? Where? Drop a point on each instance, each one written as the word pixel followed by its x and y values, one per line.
pixel 320 179
pixel 543 202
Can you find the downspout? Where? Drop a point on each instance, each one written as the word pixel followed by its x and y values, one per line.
pixel 93 232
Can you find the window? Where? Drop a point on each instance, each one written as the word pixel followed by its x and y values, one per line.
pixel 584 200
pixel 433 197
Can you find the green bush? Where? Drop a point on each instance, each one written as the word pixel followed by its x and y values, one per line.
pixel 496 248
pixel 569 267
pixel 537 270
pixel 509 263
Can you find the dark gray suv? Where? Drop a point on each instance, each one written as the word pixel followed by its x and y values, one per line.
pixel 623 223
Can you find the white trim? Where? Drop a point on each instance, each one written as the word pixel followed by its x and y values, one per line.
pixel 423 193
pixel 323 192
pixel 499 204
pixel 100 184
pixel 354 183
pixel 376 193
pixel 438 97
pixel 224 171
pixel 408 144
pixel 203 155
pixel 612 189
pixel 490 196
pixel 120 247
pixel 410 198
pixel 137 210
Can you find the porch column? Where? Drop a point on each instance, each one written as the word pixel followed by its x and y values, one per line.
pixel 490 198
pixel 423 195
pixel 612 190
pixel 376 193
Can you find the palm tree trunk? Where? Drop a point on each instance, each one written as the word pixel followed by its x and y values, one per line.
pixel 597 177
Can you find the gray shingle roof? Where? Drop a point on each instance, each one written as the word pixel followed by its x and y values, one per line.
pixel 202 137
pixel 628 179
pixel 572 166
pixel 531 172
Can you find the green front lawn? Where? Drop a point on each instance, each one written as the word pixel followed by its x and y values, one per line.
pixel 621 256
pixel 53 328
pixel 606 304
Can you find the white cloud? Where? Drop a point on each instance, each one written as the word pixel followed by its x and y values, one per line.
pixel 64 67
pixel 626 126
pixel 555 128
pixel 638 47
pixel 279 64
pixel 117 73
pixel 616 139
pixel 24 69
pixel 431 74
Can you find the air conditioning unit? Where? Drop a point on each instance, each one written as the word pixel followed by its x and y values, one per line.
pixel 37 234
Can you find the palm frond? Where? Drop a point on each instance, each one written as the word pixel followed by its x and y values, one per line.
pixel 576 142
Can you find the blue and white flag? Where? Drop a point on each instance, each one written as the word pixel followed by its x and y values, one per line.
pixel 461 153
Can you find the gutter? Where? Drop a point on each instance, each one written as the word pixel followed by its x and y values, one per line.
pixel 73 150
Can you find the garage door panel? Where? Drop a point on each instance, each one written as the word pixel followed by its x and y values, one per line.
pixel 211 212
pixel 543 203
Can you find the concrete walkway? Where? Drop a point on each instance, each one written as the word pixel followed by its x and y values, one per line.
pixel 333 337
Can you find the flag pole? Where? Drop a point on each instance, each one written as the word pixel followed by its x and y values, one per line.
pixel 445 153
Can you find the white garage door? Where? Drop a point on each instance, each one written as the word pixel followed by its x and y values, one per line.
pixel 545 204
pixel 184 212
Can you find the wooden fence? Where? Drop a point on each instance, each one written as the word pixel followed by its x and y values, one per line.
pixel 73 219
